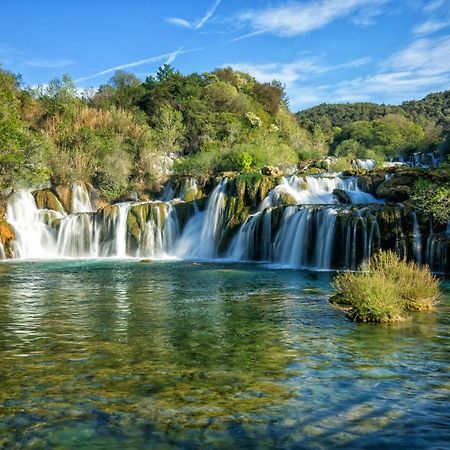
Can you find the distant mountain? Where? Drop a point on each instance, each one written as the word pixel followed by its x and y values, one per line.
pixel 434 109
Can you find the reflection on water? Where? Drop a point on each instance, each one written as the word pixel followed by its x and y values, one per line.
pixel 114 354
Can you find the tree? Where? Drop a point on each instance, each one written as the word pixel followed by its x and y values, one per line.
pixel 169 128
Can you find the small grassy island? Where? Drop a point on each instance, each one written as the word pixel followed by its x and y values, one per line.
pixel 387 289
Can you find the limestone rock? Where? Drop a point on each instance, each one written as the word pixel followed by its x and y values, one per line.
pixel 272 171
pixel 343 197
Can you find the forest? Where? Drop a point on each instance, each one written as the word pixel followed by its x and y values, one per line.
pixel 128 135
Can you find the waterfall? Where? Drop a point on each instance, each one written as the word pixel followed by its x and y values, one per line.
pixel 188 190
pixel 298 224
pixel 47 234
pixel 81 201
pixel 315 190
pixel 2 252
pixel 34 237
pixel 365 164
pixel 420 159
pixel 76 236
pixel 417 239
pixel 306 236
pixel 201 236
pixel 121 229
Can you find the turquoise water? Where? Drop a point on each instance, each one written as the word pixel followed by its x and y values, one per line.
pixel 117 354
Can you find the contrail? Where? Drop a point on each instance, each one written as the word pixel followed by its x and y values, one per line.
pixel 197 24
pixel 169 56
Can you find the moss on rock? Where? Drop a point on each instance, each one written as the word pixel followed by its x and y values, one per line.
pixel 46 199
pixel 7 237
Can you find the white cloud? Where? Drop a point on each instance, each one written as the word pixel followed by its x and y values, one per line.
pixel 430 26
pixel 292 72
pixel 196 24
pixel 420 68
pixel 426 56
pixel 433 6
pixel 48 63
pixel 295 18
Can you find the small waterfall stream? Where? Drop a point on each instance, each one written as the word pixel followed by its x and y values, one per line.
pixel 201 236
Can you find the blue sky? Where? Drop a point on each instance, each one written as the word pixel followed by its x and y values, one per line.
pixel 323 50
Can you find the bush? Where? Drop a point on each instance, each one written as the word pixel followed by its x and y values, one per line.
pixel 386 290
pixel 434 198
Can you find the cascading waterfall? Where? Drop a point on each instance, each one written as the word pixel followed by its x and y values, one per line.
pixel 34 237
pixel 45 234
pixel 316 190
pixel 300 223
pixel 201 236
pixel 306 235
pixel 81 201
pixel 420 159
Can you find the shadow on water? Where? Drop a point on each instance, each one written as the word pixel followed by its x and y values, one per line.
pixel 114 354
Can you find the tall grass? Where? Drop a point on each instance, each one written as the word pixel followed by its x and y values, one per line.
pixel 387 289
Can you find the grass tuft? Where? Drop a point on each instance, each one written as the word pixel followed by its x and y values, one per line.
pixel 387 289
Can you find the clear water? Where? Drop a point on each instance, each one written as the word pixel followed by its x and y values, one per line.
pixel 116 354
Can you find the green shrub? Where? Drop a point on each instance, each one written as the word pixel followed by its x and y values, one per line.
pixel 387 289
pixel 434 198
pixel 339 165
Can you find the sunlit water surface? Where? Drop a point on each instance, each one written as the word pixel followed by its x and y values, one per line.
pixel 117 354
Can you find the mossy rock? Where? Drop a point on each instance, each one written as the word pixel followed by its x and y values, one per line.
pixel 7 237
pixel 46 199
pixel 139 215
pixel 371 181
pixel 287 199
pixel 186 210
pixel 343 197
pixel 392 192
pixel 64 194
pixel 191 194
pixel 108 211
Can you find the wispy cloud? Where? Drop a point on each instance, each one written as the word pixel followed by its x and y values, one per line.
pixel 433 6
pixel 295 18
pixel 47 63
pixel 426 56
pixel 421 67
pixel 196 24
pixel 293 72
pixel 430 26
pixel 412 72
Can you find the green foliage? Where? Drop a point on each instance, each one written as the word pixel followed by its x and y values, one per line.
pixel 387 289
pixel 390 136
pixel 339 165
pixel 169 128
pixel 123 135
pixel 21 153
pixel 434 198
pixel 245 161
